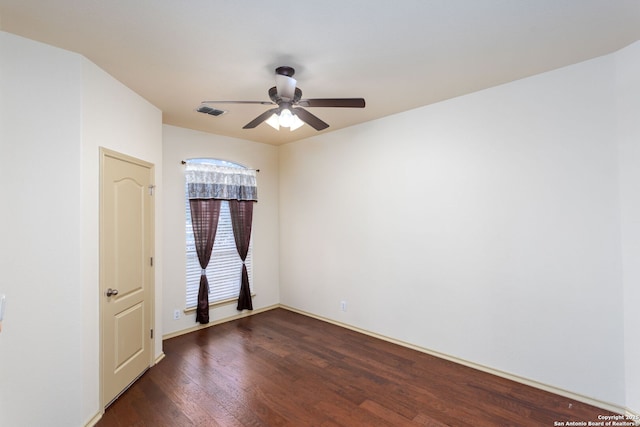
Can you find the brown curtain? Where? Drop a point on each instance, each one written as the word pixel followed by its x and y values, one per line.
pixel 241 218
pixel 204 220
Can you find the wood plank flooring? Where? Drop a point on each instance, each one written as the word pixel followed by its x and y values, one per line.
pixel 279 368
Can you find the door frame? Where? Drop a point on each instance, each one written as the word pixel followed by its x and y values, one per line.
pixel 104 154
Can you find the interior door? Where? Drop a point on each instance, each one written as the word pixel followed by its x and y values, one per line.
pixel 126 271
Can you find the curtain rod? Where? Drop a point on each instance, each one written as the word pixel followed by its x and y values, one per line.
pixel 184 162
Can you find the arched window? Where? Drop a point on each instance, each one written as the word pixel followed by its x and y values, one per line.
pixel 224 268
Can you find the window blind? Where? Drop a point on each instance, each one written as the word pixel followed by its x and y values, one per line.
pixel 225 266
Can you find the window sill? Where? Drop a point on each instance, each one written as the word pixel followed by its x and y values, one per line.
pixel 220 303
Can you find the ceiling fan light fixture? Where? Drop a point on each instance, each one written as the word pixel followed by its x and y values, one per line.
pixel 273 121
pixel 295 123
pixel 286 118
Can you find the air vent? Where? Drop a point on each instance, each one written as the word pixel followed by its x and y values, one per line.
pixel 211 111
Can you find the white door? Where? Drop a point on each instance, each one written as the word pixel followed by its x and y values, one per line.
pixel 126 271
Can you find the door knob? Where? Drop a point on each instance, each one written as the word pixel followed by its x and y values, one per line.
pixel 112 292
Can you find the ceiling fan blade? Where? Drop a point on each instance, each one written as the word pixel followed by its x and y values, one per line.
pixel 333 102
pixel 310 119
pixel 261 118
pixel 238 102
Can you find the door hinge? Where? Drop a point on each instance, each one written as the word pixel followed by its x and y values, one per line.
pixel 151 261
pixel 151 189
pixel 152 334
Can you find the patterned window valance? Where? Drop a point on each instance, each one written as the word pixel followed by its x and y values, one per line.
pixel 206 181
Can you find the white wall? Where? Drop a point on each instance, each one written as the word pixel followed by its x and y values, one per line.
pixel 499 227
pixel 485 228
pixel 41 345
pixel 181 144
pixel 113 117
pixel 628 91
pixel 56 108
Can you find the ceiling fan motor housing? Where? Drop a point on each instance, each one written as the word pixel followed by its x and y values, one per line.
pixel 285 71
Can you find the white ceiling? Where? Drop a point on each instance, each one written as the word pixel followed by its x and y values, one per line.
pixel 397 54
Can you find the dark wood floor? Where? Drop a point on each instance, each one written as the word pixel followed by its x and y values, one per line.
pixel 280 368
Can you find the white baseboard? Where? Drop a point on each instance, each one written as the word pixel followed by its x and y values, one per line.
pixel 159 358
pixel 93 421
pixel 633 416
pixel 549 388
pixel 246 313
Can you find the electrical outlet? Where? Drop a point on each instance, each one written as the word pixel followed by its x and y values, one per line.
pixel 176 314
pixel 343 305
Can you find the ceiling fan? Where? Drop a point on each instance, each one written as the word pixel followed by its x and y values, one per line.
pixel 288 100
